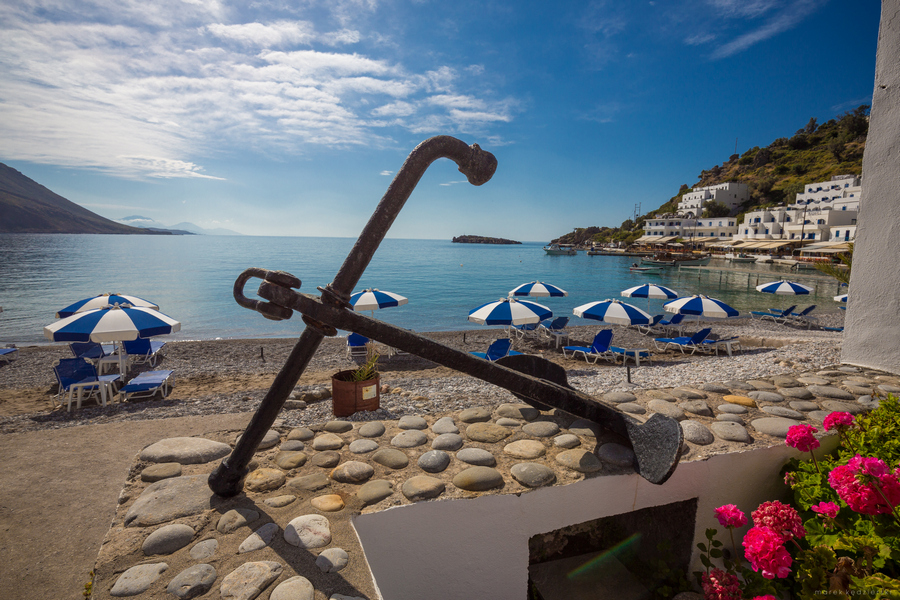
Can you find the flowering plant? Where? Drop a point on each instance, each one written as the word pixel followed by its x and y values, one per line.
pixel 840 533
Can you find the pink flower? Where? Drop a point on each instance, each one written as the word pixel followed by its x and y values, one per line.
pixel 730 516
pixel 801 437
pixel 839 421
pixel 780 518
pixel 763 548
pixel 766 597
pixel 858 484
pixel 789 479
pixel 721 585
pixel 826 509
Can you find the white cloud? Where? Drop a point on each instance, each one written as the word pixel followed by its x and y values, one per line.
pixel 786 16
pixel 143 89
pixel 699 39
pixel 386 173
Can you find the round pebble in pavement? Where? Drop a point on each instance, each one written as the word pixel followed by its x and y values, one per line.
pixel 168 539
pixel 290 460
pixel 363 446
pixel 280 501
pixel 292 446
pixel 338 426
pixel 803 405
pixel 308 532
pixel 264 480
pixel 735 409
pixel 688 394
pixel 667 409
pixel 696 407
pixel 818 415
pixel 567 440
pixel 412 422
pixel 889 389
pixel 193 581
pixel 781 411
pixel 739 385
pixel 309 483
pixel 632 408
pixel 800 393
pixel 518 411
pixel 372 429
pixel 391 458
pixel 185 451
pixel 409 439
pixel 444 425
pixel 249 579
pixel 828 391
pixel 507 422
pixel 774 426
pixel 137 579
pixel 352 472
pixel 478 479
pixel 204 549
pixel 478 414
pixel 327 441
pixel 235 519
pixel 541 428
pixel 526 449
pixel 616 455
pixel 834 405
pixel 259 539
pixel 422 487
pixel 476 456
pixel 327 503
pixel 730 432
pixel 760 384
pixel 618 397
pixel 327 459
pixel 488 433
pixel 715 388
pixel 579 460
pixel 781 381
pixel 696 433
pixel 730 417
pixel 434 461
pixel 332 560
pixel 295 588
pixel 161 471
pixel 661 395
pixel 301 433
pixel 374 491
pixel 532 475
pixel 766 396
pixel 812 380
pixel 447 441
pixel 740 400
pixel 585 428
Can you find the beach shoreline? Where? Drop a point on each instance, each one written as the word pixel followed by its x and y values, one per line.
pixel 228 376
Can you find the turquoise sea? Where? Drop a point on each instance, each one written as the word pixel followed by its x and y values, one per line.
pixel 191 278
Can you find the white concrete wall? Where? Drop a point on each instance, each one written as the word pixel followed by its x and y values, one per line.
pixel 464 549
pixel 872 326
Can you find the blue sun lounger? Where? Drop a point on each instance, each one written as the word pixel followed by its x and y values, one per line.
pixel 146 385
pixel 599 348
pixel 635 354
pixel 76 376
pixel 694 342
pixel 497 350
pixel 8 354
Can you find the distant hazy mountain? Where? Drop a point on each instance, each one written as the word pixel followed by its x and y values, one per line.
pixel 28 207
pixel 182 228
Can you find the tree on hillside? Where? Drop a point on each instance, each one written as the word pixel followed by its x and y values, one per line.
pixel 810 127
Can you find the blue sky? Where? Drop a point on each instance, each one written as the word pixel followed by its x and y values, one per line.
pixel 290 118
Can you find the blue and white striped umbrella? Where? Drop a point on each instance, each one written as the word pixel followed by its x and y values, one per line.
pixel 650 290
pixel 538 289
pixel 373 299
pixel 612 311
pixel 784 288
pixel 701 306
pixel 841 298
pixel 509 311
pixel 102 301
pixel 112 324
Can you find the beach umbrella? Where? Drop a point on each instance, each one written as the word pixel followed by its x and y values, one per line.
pixel 102 301
pixel 612 311
pixel 784 288
pixel 538 289
pixel 650 290
pixel 373 299
pixel 111 324
pixel 509 311
pixel 701 306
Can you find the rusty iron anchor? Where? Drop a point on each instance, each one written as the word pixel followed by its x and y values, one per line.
pixel 656 443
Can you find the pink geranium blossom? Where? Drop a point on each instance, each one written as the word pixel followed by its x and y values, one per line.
pixel 866 485
pixel 721 585
pixel 731 516
pixel 766 597
pixel 763 548
pixel 838 420
pixel 826 509
pixel 780 518
pixel 801 437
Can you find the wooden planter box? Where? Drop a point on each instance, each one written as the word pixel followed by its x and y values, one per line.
pixel 348 397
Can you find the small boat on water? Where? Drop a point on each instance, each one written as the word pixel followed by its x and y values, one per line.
pixel 790 262
pixel 740 257
pixel 676 260
pixel 763 258
pixel 635 268
pixel 560 250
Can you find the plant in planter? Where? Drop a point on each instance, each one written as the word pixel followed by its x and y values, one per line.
pixel 356 389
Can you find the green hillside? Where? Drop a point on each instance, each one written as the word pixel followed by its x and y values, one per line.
pixel 774 173
pixel 28 207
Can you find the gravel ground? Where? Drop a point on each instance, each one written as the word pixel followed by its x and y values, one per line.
pixel 229 376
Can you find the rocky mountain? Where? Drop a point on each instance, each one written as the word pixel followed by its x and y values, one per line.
pixel 184 228
pixel 28 207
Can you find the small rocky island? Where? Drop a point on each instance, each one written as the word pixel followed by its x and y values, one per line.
pixel 477 239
